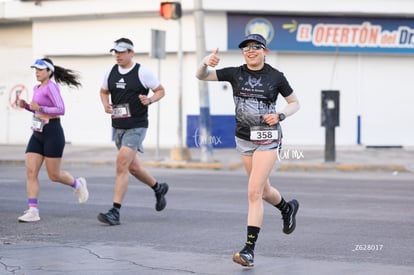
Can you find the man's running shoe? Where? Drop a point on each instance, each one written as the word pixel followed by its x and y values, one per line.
pixel 244 257
pixel 30 215
pixel 289 218
pixel 111 217
pixel 82 190
pixel 160 196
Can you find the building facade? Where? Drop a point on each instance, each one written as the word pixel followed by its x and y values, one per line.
pixel 363 49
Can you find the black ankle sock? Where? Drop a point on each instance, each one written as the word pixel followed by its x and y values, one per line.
pixel 117 206
pixel 283 206
pixel 252 234
pixel 156 186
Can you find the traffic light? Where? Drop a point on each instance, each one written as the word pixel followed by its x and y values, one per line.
pixel 170 10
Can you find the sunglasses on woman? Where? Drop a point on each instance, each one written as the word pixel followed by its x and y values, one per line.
pixel 254 47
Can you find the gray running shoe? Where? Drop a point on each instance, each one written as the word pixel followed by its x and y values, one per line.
pixel 111 217
pixel 160 196
pixel 289 218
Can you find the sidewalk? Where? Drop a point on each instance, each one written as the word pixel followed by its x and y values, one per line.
pixel 294 158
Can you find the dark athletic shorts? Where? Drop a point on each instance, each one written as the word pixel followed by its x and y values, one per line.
pixel 49 143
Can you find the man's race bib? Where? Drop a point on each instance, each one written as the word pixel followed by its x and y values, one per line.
pixel 263 134
pixel 121 111
pixel 38 124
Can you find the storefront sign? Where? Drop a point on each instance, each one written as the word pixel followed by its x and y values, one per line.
pixel 325 34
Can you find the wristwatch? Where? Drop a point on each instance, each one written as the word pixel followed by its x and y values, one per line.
pixel 282 116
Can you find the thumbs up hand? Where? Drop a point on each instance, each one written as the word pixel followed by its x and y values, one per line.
pixel 212 60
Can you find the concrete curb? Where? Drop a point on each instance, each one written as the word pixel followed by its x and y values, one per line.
pixel 196 165
pixel 343 167
pixel 237 165
pixel 191 165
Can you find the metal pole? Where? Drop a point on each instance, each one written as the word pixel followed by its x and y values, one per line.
pixel 359 130
pixel 157 150
pixel 180 85
pixel 179 152
pixel 205 125
pixel 158 52
pixel 330 144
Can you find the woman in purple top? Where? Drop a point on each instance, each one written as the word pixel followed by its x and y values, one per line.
pixel 48 140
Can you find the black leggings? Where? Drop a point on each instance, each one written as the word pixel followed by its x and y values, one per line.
pixel 49 143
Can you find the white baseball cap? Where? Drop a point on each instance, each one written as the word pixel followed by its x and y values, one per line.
pixel 122 47
pixel 43 64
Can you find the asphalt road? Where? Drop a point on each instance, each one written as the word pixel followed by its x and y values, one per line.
pixel 348 223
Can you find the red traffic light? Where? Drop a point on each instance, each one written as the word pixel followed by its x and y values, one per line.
pixel 170 10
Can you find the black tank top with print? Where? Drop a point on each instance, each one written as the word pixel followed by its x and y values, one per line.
pixel 125 88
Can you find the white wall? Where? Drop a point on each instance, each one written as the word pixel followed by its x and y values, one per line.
pixel 377 87
pixel 387 92
pixel 15 53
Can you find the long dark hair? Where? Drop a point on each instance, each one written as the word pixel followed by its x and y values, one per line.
pixel 64 76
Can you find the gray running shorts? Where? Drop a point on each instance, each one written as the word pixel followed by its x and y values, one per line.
pixel 247 148
pixel 132 138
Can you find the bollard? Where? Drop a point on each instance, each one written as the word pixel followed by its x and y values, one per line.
pixel 330 120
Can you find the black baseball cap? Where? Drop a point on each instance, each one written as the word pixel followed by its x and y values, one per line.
pixel 253 37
